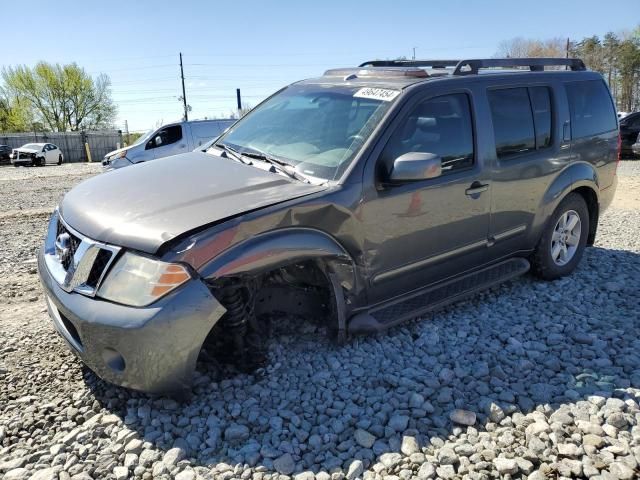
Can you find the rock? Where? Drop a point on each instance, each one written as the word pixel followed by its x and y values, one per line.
pixel 570 468
pixel 17 474
pixel 446 456
pixel 186 474
pixel 355 470
pixel 236 433
pixel 506 466
pixel 173 456
pixel 45 474
pixel 134 446
pixel 496 414
pixel 284 464
pixel 13 464
pixel 621 471
pixel 121 473
pixel 364 438
pixel 390 460
pixel 399 423
pixel 569 450
pixel 409 445
pixel 593 440
pixel 308 475
pixel 446 471
pixel 617 419
pixel 426 471
pixel 463 417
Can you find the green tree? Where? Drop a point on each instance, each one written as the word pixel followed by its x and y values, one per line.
pixel 63 97
pixel 15 115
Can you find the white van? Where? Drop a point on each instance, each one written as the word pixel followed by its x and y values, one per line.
pixel 167 140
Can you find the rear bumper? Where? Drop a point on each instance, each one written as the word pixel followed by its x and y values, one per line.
pixel 606 194
pixel 152 349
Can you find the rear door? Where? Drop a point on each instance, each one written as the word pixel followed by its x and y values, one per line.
pixel 529 149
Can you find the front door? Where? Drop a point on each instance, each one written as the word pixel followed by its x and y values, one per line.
pixel 420 232
pixel 168 141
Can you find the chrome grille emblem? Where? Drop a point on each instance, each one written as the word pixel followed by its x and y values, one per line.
pixel 63 248
pixel 70 257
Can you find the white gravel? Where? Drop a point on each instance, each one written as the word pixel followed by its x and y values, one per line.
pixel 529 380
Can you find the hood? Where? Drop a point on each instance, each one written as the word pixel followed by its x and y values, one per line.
pixel 114 152
pixel 28 150
pixel 146 205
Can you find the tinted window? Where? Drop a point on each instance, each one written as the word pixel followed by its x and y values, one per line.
pixel 591 108
pixel 439 125
pixel 541 104
pixel 168 135
pixel 512 121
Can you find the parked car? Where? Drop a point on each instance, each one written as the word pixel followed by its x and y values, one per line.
pixel 629 130
pixel 361 199
pixel 5 152
pixel 168 140
pixel 635 148
pixel 37 154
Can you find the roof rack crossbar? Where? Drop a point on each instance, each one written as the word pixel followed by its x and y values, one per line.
pixel 534 64
pixel 411 63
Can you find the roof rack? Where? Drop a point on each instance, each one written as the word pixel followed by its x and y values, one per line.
pixel 473 65
pixel 534 64
pixel 411 63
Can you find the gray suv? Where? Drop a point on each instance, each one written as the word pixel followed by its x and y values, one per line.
pixel 359 199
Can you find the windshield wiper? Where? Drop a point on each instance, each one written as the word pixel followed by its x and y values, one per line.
pixel 279 164
pixel 233 153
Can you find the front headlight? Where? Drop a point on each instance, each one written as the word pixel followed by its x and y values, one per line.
pixel 139 281
pixel 122 154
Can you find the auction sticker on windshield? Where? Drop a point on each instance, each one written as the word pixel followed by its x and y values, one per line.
pixel 383 94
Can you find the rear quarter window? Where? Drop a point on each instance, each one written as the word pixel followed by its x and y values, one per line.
pixel 591 108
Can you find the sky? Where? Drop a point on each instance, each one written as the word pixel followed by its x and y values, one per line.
pixel 261 46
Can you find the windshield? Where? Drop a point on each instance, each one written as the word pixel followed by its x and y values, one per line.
pixel 32 146
pixel 316 128
pixel 144 137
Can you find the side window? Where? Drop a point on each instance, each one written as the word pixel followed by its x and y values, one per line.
pixel 165 136
pixel 512 121
pixel 591 108
pixel 541 104
pixel 440 125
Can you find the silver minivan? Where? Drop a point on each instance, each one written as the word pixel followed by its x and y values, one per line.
pixel 168 140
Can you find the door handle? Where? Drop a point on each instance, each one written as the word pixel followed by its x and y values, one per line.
pixel 476 188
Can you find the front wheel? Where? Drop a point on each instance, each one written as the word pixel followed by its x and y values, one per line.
pixel 563 240
pixel 59 159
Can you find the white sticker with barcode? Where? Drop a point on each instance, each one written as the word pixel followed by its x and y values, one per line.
pixel 383 94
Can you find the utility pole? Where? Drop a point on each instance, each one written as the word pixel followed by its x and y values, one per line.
pixel 184 95
pixel 126 131
pixel 567 48
pixel 414 53
pixel 239 99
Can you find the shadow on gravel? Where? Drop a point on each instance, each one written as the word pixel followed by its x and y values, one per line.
pixel 523 346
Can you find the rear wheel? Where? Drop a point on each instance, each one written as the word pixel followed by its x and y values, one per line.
pixel 564 239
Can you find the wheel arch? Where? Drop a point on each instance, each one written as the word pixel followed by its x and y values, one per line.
pixel 580 178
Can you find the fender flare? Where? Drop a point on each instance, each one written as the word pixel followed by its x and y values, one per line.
pixel 277 248
pixel 577 176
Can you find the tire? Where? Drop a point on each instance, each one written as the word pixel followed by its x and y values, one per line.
pixel 558 251
pixel 59 159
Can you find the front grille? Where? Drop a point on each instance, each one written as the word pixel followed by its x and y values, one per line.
pixel 76 262
pixel 73 247
pixel 99 266
pixel 23 156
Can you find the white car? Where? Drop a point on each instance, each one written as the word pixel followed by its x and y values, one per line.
pixel 36 154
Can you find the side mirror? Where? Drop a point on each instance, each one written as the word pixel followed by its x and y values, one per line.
pixel 414 166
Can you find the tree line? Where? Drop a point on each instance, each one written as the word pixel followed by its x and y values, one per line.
pixel 616 56
pixel 54 97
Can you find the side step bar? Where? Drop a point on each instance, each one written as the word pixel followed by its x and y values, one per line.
pixel 431 298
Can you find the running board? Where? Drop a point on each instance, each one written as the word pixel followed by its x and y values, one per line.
pixel 415 304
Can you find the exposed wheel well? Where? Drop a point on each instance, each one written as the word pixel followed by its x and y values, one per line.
pixel 254 303
pixel 591 199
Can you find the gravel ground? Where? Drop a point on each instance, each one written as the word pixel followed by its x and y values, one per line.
pixel 529 380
